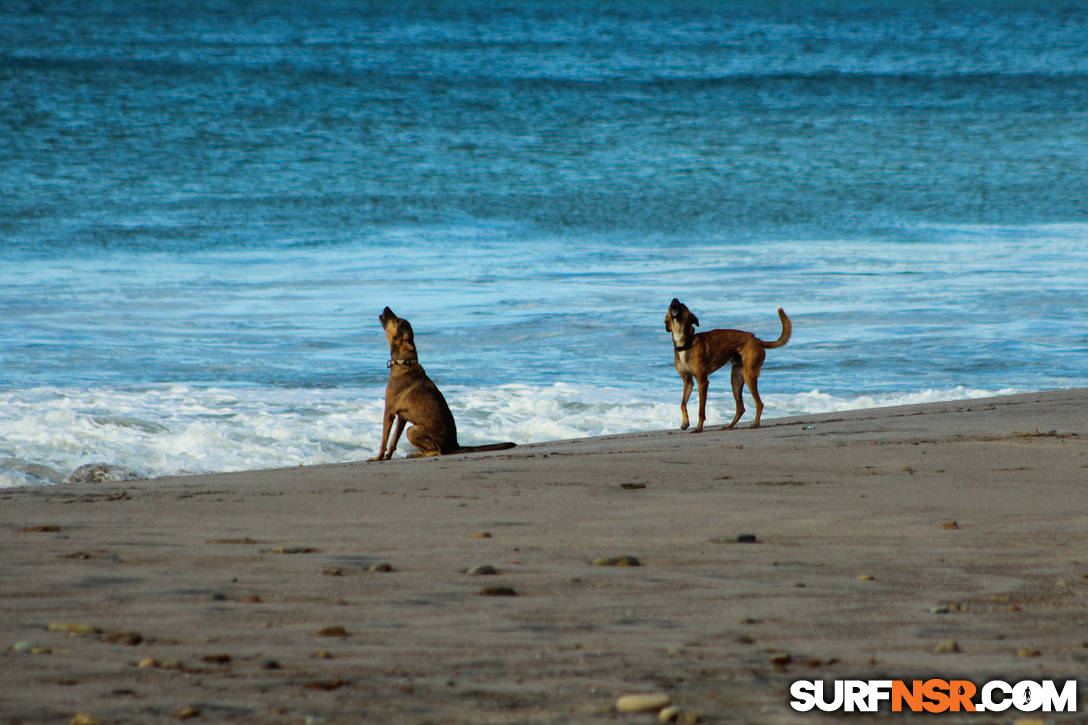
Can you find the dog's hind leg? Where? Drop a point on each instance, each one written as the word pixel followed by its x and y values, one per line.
pixel 684 402
pixel 423 441
pixel 737 379
pixel 751 379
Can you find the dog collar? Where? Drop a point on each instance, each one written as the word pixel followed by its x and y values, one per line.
pixel 684 347
pixel 408 361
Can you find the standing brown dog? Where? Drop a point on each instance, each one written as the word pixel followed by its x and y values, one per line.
pixel 698 355
pixel 411 397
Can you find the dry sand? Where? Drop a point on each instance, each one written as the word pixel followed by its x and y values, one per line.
pixel 222 583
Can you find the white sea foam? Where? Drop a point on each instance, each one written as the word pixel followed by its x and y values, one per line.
pixel 533 414
pixel 46 433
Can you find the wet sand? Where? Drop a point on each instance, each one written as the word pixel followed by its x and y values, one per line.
pixel 879 536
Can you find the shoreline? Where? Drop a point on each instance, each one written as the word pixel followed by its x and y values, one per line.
pixel 173 432
pixel 226 585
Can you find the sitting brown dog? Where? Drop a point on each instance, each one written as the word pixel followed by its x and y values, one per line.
pixel 411 397
pixel 698 355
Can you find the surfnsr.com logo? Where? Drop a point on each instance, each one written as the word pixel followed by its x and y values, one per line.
pixel 933 696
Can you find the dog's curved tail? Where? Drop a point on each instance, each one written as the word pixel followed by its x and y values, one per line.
pixel 484 449
pixel 787 330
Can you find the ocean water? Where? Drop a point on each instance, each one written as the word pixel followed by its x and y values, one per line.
pixel 203 213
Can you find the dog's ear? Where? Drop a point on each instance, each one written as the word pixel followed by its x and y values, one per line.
pixel 693 318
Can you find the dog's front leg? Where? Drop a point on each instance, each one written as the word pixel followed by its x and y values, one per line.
pixel 704 384
pixel 684 402
pixel 396 436
pixel 387 425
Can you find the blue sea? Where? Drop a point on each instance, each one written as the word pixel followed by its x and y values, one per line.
pixel 205 207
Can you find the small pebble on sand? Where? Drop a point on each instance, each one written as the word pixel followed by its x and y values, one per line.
pixel 128 639
pixel 497 592
pixel 617 561
pixel 644 702
pixel 668 714
pixel 679 715
pixel 334 631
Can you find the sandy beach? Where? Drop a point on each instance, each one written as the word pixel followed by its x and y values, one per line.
pixel 355 593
